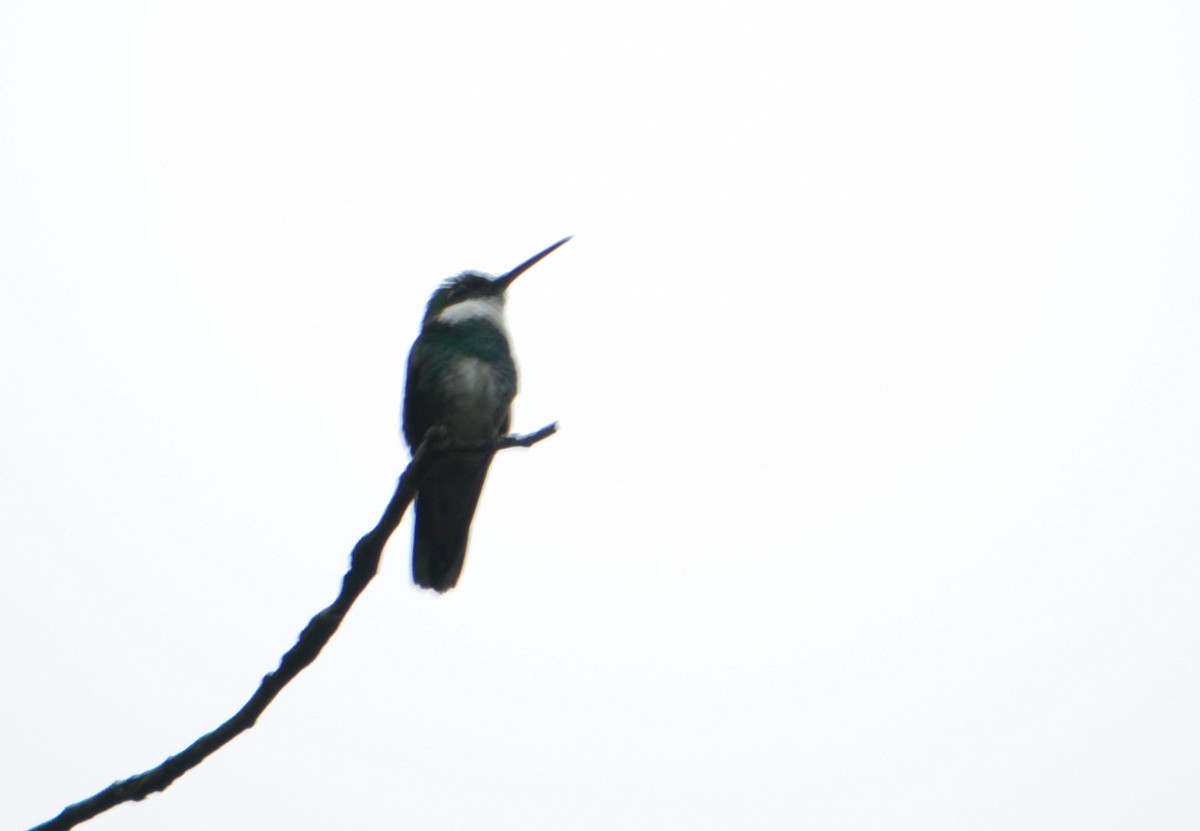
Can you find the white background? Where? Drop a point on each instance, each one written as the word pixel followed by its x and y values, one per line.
pixel 876 357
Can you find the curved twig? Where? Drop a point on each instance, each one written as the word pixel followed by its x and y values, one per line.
pixel 364 562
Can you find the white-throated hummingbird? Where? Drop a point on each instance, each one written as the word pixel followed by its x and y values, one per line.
pixel 461 376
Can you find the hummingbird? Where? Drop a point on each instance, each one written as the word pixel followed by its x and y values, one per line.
pixel 461 376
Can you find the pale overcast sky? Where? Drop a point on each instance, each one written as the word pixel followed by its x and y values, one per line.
pixel 877 360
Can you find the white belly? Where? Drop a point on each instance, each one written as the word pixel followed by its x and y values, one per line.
pixel 476 400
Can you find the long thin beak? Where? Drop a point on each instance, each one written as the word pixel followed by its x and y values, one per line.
pixel 506 280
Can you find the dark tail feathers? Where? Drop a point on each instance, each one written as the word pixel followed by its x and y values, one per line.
pixel 445 506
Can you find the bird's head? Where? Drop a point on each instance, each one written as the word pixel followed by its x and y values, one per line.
pixel 479 289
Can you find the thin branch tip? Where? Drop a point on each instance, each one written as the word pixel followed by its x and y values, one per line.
pixel 529 439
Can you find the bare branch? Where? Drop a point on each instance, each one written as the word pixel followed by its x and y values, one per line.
pixel 364 562
pixel 528 440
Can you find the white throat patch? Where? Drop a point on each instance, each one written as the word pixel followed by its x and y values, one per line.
pixel 485 308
